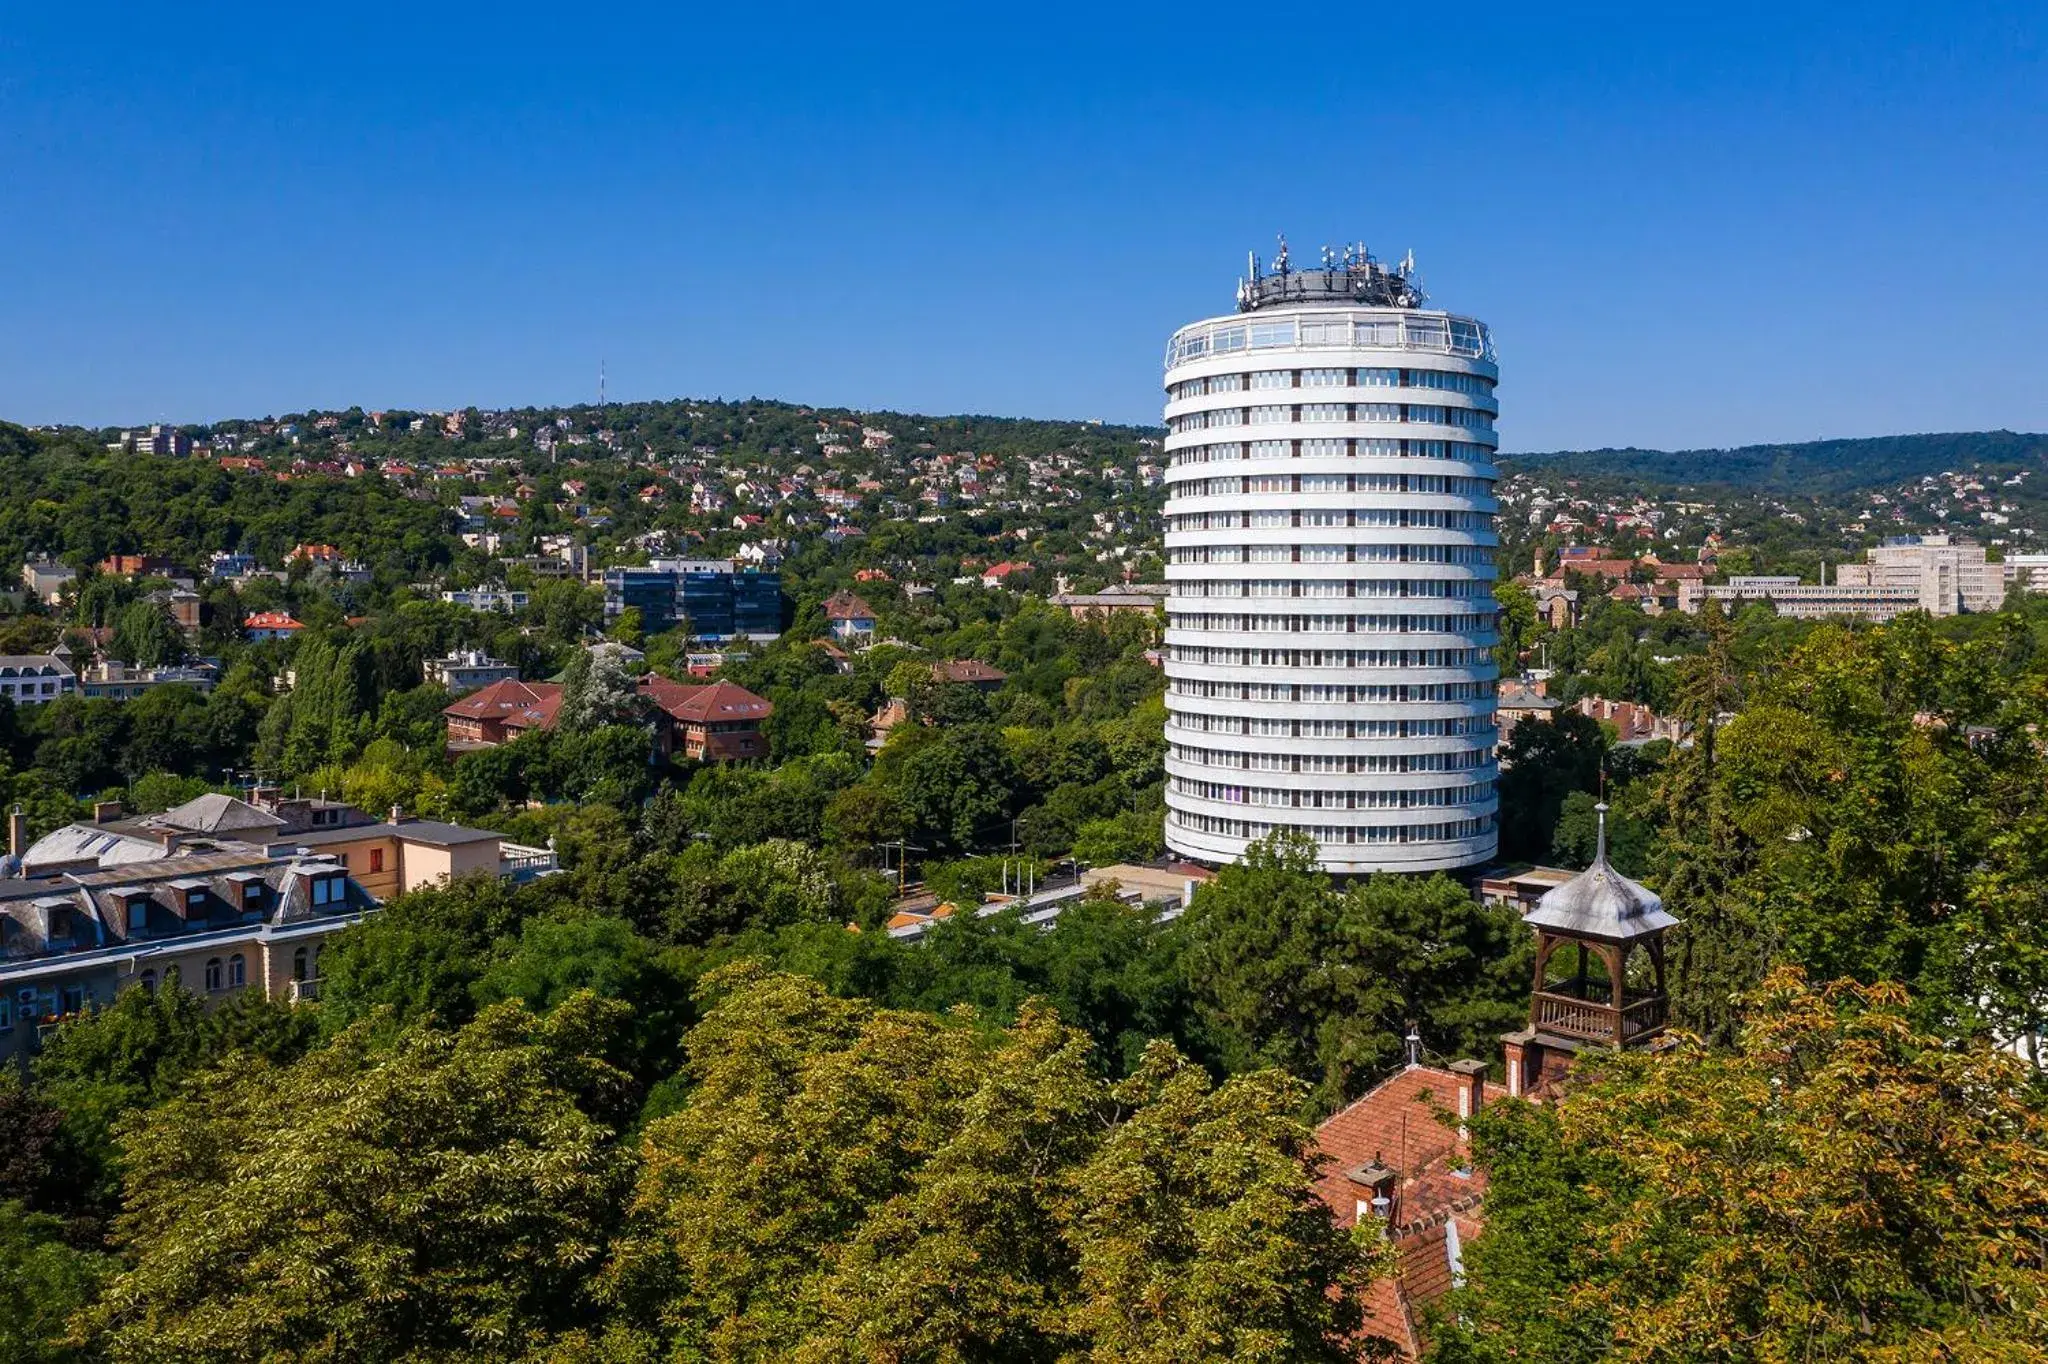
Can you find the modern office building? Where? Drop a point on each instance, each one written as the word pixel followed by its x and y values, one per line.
pixel 715 598
pixel 1330 559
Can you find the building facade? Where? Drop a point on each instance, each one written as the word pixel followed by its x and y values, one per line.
pixel 1330 559
pixel 219 895
pixel 715 598
pixel 33 679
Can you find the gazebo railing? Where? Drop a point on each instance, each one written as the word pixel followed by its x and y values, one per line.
pixel 1582 1009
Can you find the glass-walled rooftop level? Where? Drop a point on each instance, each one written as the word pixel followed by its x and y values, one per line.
pixel 1437 333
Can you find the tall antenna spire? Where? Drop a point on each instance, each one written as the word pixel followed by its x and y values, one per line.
pixel 600 388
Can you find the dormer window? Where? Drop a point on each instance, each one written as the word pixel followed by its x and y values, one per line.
pixel 138 914
pixel 330 889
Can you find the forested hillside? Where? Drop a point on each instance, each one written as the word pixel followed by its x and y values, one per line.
pixel 1810 468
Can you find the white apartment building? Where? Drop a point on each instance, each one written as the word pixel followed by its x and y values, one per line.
pixel 1948 575
pixel 1932 573
pixel 1330 564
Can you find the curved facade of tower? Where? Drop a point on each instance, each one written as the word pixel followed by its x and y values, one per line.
pixel 1330 554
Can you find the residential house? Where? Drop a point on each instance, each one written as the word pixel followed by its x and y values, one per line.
pixel 718 722
pixel 1518 700
pixel 969 672
pixel 501 712
pixel 468 669
pixel 268 625
pixel 849 618
pixel 46 579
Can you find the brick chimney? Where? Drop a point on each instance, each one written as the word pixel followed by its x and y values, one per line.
pixel 1472 1089
pixel 17 832
pixel 106 811
pixel 1376 1184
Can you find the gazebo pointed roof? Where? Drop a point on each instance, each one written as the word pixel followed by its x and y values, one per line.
pixel 1600 902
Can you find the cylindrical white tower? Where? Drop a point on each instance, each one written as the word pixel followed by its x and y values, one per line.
pixel 1330 553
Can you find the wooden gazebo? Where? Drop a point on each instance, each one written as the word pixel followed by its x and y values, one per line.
pixel 1608 919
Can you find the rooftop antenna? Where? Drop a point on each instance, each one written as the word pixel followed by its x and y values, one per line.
pixel 1280 261
pixel 1414 1046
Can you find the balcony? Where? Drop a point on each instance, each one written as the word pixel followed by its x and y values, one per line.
pixel 305 991
pixel 520 863
pixel 1582 1009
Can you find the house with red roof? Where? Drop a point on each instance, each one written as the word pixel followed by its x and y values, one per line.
pixel 998 575
pixel 1400 1155
pixel 1391 1158
pixel 717 722
pixel 501 712
pixel 849 618
pixel 969 672
pixel 266 625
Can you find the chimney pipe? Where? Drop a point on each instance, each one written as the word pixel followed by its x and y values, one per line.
pixel 17 832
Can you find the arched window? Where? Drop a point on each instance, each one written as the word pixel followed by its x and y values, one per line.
pixel 238 972
pixel 149 981
pixel 299 965
pixel 213 974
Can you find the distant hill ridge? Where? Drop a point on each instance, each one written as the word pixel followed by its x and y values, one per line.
pixel 1812 467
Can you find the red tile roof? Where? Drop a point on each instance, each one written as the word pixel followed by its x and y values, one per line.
pixel 967 670
pixel 520 705
pixel 270 620
pixel 717 701
pixel 1396 1124
pixel 846 606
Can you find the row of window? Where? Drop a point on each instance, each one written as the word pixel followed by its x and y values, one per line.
pixel 1235 485
pixel 1288 413
pixel 1382 624
pixel 1267 727
pixel 220 974
pixel 1314 624
pixel 1335 764
pixel 1454 335
pixel 1331 447
pixel 1329 693
pixel 1422 798
pixel 1447 831
pixel 1192 588
pixel 1201 656
pixel 1442 381
pixel 1331 554
pixel 1385 518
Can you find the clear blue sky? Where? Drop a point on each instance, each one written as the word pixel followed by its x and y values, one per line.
pixel 1734 224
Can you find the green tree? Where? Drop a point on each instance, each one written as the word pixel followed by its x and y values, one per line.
pixel 847 1183
pixel 43 1281
pixel 598 691
pixel 1837 1186
pixel 443 1196
pixel 1543 762
pixel 1258 943
pixel 958 788
pixel 146 636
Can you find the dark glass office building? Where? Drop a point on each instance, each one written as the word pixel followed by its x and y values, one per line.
pixel 717 600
